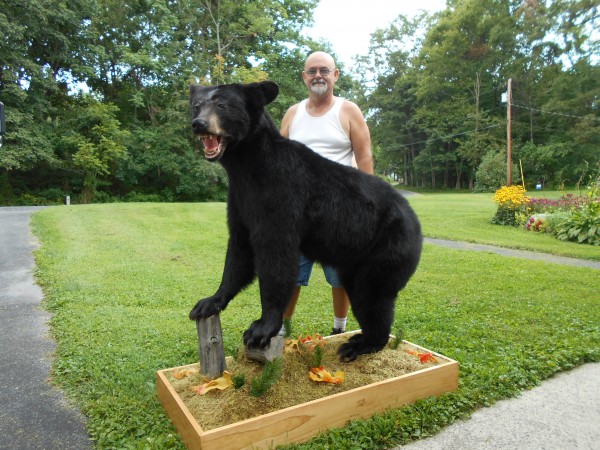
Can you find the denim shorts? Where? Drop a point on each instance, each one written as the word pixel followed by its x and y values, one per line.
pixel 306 266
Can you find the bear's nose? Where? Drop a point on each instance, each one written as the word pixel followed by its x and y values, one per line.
pixel 199 126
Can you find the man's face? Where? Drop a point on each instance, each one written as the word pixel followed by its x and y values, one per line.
pixel 320 75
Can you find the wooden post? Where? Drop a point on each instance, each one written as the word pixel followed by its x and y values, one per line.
pixel 210 346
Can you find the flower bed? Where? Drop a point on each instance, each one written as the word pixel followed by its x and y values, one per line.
pixel 570 218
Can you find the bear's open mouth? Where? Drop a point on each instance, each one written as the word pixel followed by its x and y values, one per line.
pixel 214 145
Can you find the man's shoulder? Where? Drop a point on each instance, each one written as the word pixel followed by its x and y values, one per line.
pixel 348 104
pixel 351 108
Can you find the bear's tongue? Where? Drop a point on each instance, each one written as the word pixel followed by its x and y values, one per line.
pixel 211 143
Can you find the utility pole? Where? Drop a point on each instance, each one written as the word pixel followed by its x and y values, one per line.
pixel 508 134
pixel 2 123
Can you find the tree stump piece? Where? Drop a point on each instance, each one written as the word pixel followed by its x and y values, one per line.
pixel 210 346
pixel 270 352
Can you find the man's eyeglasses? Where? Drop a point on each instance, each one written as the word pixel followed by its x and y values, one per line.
pixel 324 71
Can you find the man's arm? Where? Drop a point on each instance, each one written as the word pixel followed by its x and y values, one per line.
pixel 359 135
pixel 287 121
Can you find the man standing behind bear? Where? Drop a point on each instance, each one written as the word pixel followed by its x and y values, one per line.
pixel 336 129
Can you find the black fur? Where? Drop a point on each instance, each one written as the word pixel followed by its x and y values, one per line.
pixel 284 200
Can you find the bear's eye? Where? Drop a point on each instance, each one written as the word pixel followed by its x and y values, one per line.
pixel 221 105
pixel 196 108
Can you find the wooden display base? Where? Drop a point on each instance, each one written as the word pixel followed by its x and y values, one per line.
pixel 301 422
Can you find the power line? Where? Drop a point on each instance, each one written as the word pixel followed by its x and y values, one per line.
pixel 454 124
pixel 556 113
pixel 450 136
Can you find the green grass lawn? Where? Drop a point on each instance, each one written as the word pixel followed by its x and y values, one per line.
pixel 120 280
pixel 466 217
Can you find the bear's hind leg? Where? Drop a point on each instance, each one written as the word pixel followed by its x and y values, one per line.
pixel 373 337
pixel 373 306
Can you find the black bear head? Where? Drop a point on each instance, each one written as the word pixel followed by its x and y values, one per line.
pixel 224 116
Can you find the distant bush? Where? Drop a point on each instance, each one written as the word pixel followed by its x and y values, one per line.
pixel 491 173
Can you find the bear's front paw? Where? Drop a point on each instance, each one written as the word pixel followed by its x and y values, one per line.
pixel 206 308
pixel 260 333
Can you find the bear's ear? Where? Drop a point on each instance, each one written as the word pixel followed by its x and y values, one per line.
pixel 268 90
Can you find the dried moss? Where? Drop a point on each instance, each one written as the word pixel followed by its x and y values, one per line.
pixel 219 408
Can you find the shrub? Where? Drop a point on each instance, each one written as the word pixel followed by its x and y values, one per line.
pixel 492 171
pixel 140 197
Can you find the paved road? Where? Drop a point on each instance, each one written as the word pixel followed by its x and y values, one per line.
pixel 563 413
pixel 536 256
pixel 33 414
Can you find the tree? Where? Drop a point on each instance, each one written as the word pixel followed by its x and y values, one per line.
pixel 95 142
pixel 37 50
pixel 435 106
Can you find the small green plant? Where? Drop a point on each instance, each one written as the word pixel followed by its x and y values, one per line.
pixel 269 376
pixel 317 357
pixel 399 336
pixel 287 323
pixel 239 380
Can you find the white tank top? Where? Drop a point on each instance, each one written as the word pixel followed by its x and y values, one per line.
pixel 324 134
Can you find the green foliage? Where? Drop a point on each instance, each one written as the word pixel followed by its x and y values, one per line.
pixel 95 142
pixel 430 88
pixel 316 357
pixel 398 337
pixel 491 173
pixel 506 215
pixel 134 62
pixel 239 380
pixel 287 323
pixel 434 107
pixel 582 224
pixel 466 217
pixel 269 376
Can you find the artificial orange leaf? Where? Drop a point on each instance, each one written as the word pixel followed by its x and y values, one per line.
pixel 292 345
pixel 183 373
pixel 423 357
pixel 310 342
pixel 320 375
pixel 221 383
pixel 426 357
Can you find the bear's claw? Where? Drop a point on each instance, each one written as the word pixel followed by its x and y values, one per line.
pixel 206 308
pixel 259 334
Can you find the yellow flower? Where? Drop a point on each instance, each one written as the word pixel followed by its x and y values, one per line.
pixel 511 196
